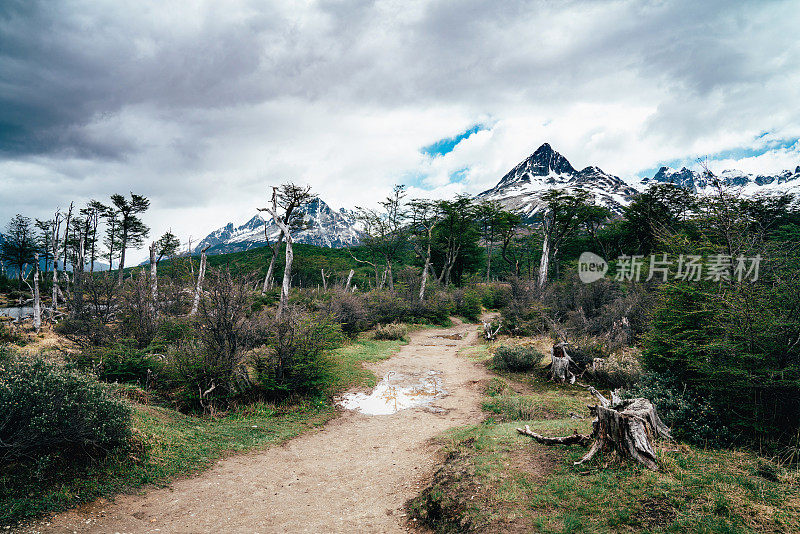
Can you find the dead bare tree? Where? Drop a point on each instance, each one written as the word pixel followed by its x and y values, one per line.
pixel 349 280
pixel 198 290
pixel 285 196
pixel 290 197
pixel 55 244
pixel 627 426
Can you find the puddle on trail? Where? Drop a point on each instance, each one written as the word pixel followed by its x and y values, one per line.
pixel 396 392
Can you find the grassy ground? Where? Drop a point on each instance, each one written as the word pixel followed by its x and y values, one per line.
pixel 168 444
pixel 495 480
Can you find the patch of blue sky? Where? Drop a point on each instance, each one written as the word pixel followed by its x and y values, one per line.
pixel 459 176
pixel 733 154
pixel 448 144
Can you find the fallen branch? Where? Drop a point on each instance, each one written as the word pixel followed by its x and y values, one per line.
pixel 574 439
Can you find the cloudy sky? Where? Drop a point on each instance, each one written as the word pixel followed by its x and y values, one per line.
pixel 202 105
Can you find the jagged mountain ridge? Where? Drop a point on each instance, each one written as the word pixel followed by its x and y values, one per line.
pixel 325 227
pixel 748 183
pixel 521 189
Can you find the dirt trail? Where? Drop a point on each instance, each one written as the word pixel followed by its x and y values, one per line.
pixel 353 475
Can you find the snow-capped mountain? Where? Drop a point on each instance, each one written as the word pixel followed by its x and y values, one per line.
pixel 747 183
pixel 325 227
pixel 522 188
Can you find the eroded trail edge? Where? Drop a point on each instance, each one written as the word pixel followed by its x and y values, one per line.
pixel 353 475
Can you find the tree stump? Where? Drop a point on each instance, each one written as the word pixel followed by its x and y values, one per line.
pixel 626 426
pixel 559 364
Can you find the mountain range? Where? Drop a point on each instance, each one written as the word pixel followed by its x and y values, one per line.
pixel 520 190
pixel 324 227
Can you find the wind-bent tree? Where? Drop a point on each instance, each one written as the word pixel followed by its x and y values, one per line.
pixel 92 213
pixel 454 234
pixel 111 240
pixel 166 245
pixel 565 212
pixel 290 197
pixel 495 224
pixel 44 243
pixel 385 232
pixel 285 196
pixel 424 216
pixel 132 231
pixel 19 244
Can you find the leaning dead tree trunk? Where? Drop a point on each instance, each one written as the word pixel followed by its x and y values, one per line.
pixel 626 426
pixel 153 279
pixel 349 280
pixel 198 290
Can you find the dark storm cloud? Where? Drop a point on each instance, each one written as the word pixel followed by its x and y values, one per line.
pixel 194 102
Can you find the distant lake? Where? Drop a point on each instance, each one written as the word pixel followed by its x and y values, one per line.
pixel 16 312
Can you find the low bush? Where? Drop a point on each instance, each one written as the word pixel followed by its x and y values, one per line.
pixel 49 411
pixel 386 307
pixel 436 308
pixel 120 362
pixel 350 312
pixel 621 370
pixel 495 296
pixel 292 361
pixel 84 331
pixel 470 305
pixel 390 332
pixel 519 359
pixel 689 416
pixel 524 320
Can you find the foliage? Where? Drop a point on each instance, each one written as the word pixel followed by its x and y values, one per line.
pixel 53 414
pixel 121 361
pixel 292 361
pixel 390 332
pixel 622 369
pixel 519 358
pixel 469 305
pixel 690 417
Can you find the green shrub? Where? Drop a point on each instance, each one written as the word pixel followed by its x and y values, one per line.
pixel 689 416
pixel 120 362
pixel 524 320
pixel 496 296
pixel 84 331
pixel 390 332
pixel 350 312
pixel 621 370
pixel 292 362
pixel 47 410
pixel 736 349
pixel 436 308
pixel 519 359
pixel 386 307
pixel 470 305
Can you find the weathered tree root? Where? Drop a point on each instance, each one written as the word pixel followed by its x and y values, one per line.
pixel 627 426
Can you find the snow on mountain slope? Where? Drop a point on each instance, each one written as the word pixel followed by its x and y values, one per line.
pixel 522 188
pixel 325 227
pixel 746 183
